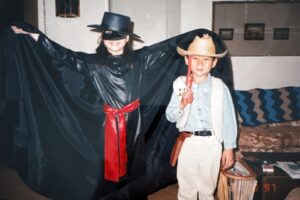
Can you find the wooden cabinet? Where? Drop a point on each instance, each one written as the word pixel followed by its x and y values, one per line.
pixel 276 185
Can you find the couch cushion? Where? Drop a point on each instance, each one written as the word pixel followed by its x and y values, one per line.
pixel 260 106
pixel 269 139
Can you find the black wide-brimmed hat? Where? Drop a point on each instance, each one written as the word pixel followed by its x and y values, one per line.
pixel 115 26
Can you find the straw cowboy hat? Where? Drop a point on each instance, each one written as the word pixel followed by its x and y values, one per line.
pixel 115 26
pixel 201 46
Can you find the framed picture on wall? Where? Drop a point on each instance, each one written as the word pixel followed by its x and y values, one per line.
pixel 226 33
pixel 281 33
pixel 254 31
pixel 67 8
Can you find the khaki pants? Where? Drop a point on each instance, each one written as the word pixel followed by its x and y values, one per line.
pixel 198 167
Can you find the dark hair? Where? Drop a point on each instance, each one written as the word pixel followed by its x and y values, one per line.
pixel 104 54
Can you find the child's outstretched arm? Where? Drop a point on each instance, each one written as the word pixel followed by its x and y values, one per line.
pixel 60 56
pixel 18 30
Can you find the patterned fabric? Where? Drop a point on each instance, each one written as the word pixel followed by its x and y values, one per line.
pixel 260 106
pixel 283 138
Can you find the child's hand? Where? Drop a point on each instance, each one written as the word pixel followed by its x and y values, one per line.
pixel 227 158
pixel 18 30
pixel 187 98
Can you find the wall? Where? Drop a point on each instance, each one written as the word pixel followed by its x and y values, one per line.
pixel 266 72
pixel 249 72
pixel 154 21
pixel 31 12
pixel 151 19
pixel 287 16
pixel 72 32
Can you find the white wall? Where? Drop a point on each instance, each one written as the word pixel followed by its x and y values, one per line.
pixel 149 25
pixel 154 20
pixel 72 32
pixel 151 19
pixel 195 14
pixel 266 72
pixel 249 72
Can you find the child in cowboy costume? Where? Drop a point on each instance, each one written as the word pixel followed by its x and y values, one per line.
pixel 204 114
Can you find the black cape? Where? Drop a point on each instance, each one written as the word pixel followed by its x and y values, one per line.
pixel 51 115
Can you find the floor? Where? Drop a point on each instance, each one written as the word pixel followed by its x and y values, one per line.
pixel 12 188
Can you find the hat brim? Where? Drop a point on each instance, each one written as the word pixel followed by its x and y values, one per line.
pixel 99 28
pixel 189 53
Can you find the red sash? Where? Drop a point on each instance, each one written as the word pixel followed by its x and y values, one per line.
pixel 115 154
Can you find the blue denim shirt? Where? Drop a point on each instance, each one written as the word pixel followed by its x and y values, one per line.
pixel 200 117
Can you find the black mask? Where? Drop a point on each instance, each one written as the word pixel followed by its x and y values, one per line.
pixel 113 35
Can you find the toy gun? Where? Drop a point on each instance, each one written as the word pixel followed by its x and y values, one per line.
pixel 189 78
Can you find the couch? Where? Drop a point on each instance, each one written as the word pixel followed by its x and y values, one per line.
pixel 268 119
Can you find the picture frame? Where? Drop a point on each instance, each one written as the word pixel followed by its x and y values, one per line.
pixel 254 31
pixel 226 33
pixel 281 33
pixel 67 8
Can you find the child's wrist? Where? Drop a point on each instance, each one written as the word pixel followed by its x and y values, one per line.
pixel 181 108
pixel 182 105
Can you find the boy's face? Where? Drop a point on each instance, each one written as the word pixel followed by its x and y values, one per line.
pixel 201 65
pixel 116 47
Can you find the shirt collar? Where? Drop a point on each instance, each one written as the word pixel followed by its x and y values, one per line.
pixel 205 83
